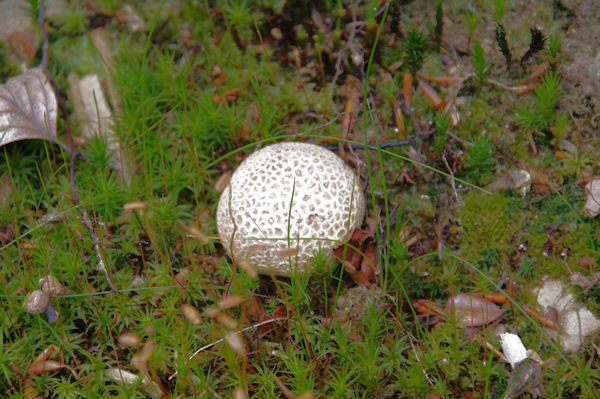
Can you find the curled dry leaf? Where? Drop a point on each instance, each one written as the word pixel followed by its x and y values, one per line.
pixel 28 108
pixel 443 80
pixel 359 264
pixel 41 364
pixel 472 310
pixel 537 71
pixel 546 321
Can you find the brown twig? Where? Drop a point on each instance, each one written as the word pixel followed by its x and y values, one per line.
pixel 75 193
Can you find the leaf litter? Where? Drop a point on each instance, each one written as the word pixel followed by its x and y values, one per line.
pixel 28 108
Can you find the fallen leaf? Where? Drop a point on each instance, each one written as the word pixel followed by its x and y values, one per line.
pixel 128 378
pixel 432 95
pixel 24 43
pixel 15 16
pixel 359 263
pixel 526 377
pixel 95 115
pixel 28 108
pixel 472 310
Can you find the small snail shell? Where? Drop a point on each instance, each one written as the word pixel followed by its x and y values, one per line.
pixel 37 302
pixel 51 286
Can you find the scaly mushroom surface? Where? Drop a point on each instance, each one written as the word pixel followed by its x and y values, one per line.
pixel 285 202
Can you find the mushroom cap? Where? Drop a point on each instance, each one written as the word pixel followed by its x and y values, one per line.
pixel 284 203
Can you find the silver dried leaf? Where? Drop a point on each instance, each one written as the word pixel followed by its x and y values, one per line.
pixel 28 108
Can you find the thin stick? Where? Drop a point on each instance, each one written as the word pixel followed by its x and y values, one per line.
pixel 84 218
pixel 452 181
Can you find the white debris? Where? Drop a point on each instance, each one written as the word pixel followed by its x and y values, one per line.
pixel 513 348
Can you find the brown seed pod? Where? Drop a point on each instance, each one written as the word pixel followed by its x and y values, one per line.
pixel 129 339
pixel 191 313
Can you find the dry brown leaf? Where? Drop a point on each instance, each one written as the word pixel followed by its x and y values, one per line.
pixel 128 378
pixel 359 264
pixel 28 108
pixel 472 310
pixel 24 43
pixel 15 16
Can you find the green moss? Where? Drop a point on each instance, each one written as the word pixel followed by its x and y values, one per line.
pixel 486 224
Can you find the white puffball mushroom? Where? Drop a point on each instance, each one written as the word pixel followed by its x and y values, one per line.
pixel 37 302
pixel 285 202
pixel 592 198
